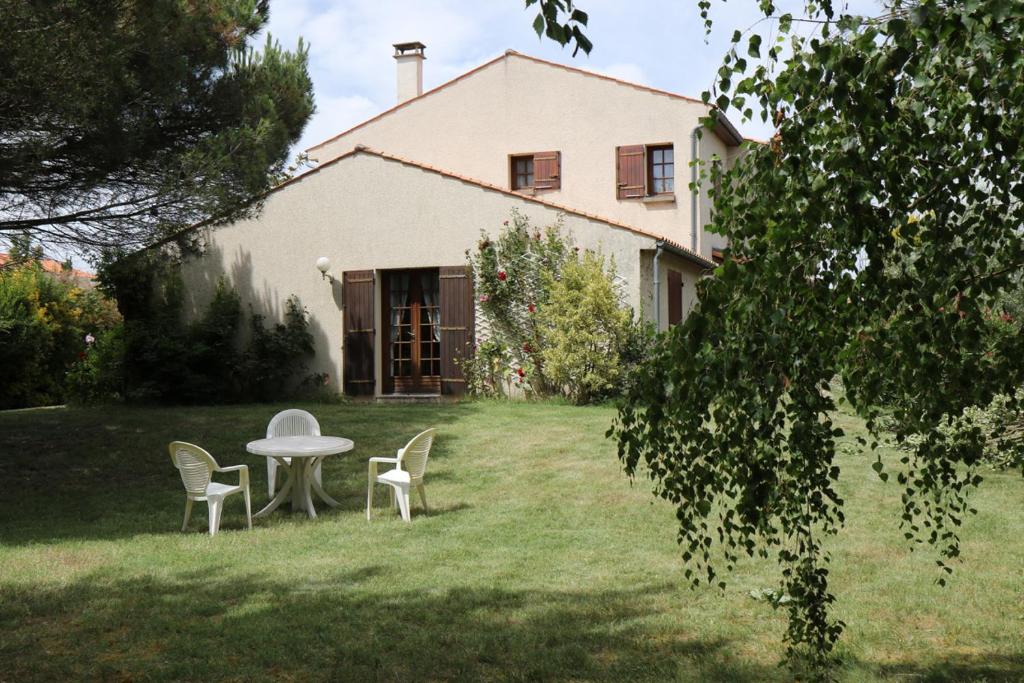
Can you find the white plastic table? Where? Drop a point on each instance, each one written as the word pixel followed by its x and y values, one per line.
pixel 305 453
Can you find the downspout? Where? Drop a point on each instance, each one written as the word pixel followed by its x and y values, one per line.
pixel 660 245
pixel 694 191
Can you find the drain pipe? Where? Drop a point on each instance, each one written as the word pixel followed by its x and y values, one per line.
pixel 694 190
pixel 659 247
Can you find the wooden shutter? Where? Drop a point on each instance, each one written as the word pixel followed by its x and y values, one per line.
pixel 631 172
pixel 456 292
pixel 547 170
pixel 357 299
pixel 675 297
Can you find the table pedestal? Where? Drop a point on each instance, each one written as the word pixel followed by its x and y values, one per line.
pixel 298 486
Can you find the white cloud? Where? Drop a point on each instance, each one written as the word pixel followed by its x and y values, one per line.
pixel 624 71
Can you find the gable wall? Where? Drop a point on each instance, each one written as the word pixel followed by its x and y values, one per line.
pixel 516 105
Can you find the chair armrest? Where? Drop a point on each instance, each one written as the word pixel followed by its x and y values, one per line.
pixel 243 473
pixel 393 461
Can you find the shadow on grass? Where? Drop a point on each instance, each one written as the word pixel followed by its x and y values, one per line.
pixel 104 473
pixel 351 626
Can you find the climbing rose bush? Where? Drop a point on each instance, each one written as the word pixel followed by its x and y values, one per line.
pixel 552 322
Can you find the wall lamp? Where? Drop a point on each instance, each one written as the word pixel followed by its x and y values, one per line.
pixel 323 264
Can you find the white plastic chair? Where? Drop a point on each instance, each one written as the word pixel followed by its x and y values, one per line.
pixel 196 468
pixel 292 422
pixel 414 458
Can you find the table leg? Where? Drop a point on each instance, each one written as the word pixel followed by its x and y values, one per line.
pixel 305 499
pixel 283 494
pixel 319 489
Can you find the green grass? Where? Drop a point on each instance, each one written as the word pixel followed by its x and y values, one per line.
pixel 539 561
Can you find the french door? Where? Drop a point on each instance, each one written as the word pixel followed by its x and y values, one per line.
pixel 412 331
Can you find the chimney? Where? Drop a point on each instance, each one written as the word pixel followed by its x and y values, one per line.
pixel 410 69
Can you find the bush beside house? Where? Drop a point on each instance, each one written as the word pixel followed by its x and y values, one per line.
pixel 553 322
pixel 158 356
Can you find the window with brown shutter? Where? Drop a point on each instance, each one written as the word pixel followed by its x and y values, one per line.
pixel 645 171
pixel 538 171
pixel 357 300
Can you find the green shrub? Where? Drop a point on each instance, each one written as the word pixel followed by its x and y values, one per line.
pixel 583 330
pixel 45 319
pixel 275 356
pixel 167 360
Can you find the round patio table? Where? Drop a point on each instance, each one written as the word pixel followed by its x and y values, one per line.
pixel 305 453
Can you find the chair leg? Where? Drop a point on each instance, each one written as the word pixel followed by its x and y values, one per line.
pixel 216 505
pixel 248 508
pixel 369 499
pixel 403 502
pixel 394 500
pixel 423 496
pixel 188 513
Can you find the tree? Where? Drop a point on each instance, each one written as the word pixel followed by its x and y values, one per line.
pixel 872 239
pixel 123 122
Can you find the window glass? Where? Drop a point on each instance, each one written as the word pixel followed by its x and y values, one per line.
pixel 661 169
pixel 522 172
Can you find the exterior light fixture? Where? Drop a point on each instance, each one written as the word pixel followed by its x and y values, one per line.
pixel 323 264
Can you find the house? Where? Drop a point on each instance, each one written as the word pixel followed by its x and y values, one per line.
pixel 395 202
pixel 79 278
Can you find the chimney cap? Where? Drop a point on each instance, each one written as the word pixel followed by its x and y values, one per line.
pixel 415 47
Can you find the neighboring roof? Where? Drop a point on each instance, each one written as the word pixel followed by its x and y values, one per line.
pixel 726 130
pixel 54 267
pixel 363 149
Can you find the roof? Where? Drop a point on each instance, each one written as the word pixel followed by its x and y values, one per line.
pixel 363 149
pixel 54 267
pixel 726 130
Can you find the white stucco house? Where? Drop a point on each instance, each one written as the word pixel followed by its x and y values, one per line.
pixel 395 202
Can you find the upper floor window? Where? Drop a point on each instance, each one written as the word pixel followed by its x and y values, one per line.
pixel 661 169
pixel 522 172
pixel 645 171
pixel 537 171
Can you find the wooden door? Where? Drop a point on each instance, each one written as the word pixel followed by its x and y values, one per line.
pixel 412 332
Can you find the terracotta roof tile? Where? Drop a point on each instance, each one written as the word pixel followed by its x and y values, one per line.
pixel 52 266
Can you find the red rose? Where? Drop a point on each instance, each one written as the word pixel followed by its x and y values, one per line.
pixel 502 275
pixel 81 355
pixel 520 372
pixel 531 308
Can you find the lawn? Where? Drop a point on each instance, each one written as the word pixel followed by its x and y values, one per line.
pixel 538 561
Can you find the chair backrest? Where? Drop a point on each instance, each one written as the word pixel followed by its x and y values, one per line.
pixel 195 466
pixel 293 422
pixel 413 458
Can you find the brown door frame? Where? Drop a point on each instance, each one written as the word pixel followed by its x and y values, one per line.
pixel 417 383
